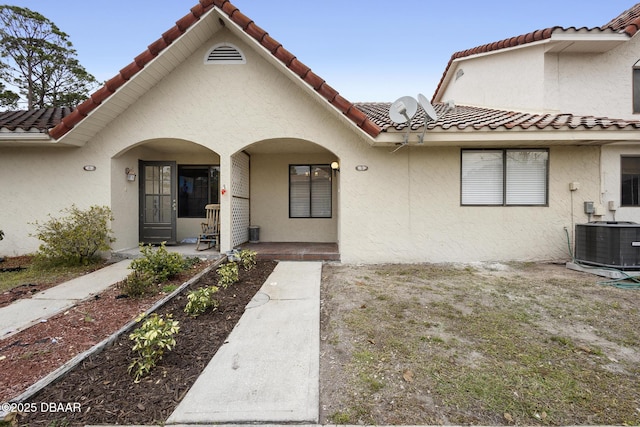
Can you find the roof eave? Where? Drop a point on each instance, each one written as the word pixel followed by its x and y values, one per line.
pixel 25 139
pixel 488 137
pixel 584 41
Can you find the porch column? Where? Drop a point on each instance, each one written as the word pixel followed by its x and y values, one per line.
pixel 225 203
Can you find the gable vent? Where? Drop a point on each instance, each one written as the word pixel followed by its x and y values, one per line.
pixel 225 53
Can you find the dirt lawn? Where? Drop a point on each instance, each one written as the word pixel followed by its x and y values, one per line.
pixel 488 344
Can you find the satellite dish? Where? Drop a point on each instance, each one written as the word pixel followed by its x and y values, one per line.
pixel 427 107
pixel 429 111
pixel 403 109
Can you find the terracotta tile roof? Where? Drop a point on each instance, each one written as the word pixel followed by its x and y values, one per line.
pixel 627 22
pixel 33 120
pixel 249 27
pixel 463 117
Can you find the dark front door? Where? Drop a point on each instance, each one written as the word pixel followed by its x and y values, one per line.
pixel 158 202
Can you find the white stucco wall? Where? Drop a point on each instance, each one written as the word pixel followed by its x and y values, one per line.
pixel 37 182
pixel 407 207
pixel 530 79
pixel 593 84
pixel 270 200
pixel 611 183
pixel 509 79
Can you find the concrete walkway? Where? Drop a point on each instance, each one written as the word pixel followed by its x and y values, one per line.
pixel 25 312
pixel 268 370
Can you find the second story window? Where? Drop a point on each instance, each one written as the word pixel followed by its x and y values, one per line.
pixel 636 87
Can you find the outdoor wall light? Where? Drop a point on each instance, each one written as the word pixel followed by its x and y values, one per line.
pixel 362 168
pixel 335 166
pixel 89 168
pixel 131 175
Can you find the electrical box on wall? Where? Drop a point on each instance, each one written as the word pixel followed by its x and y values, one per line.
pixel 573 186
pixel 612 205
pixel 589 208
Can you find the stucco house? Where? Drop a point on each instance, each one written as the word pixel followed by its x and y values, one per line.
pixel 217 111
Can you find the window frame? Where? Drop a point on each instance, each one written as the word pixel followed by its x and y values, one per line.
pixel 310 194
pixel 504 183
pixel 635 88
pixel 211 192
pixel 622 157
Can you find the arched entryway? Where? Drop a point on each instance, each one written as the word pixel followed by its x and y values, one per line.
pixel 159 190
pixel 287 188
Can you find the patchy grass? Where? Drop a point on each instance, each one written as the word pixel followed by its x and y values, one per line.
pixel 33 273
pixel 527 344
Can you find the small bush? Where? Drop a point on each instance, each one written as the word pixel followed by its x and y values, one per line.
pixel 76 238
pixel 159 264
pixel 150 342
pixel 228 274
pixel 136 284
pixel 200 300
pixel 247 259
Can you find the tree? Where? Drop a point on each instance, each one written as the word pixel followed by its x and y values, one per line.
pixel 8 99
pixel 38 59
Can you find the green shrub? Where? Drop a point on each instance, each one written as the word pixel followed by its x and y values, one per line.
pixel 200 300
pixel 136 284
pixel 150 342
pixel 159 264
pixel 76 238
pixel 247 259
pixel 228 274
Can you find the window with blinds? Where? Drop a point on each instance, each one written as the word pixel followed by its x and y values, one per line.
pixel 310 191
pixel 507 177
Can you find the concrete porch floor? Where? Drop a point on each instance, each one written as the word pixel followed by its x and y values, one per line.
pixel 295 251
pixel 281 251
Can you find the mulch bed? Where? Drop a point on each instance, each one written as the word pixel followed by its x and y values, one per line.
pixel 101 391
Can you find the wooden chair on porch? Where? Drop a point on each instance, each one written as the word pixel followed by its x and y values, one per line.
pixel 211 229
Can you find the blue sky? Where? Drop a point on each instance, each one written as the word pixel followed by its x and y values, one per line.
pixel 366 49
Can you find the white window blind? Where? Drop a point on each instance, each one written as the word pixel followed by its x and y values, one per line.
pixel 299 189
pixel 310 191
pixel 526 177
pixel 482 176
pixel 504 177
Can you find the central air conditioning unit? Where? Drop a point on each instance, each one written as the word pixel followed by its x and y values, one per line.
pixel 614 244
